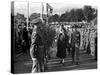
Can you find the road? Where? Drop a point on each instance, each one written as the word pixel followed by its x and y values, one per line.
pixel 86 62
pixel 23 64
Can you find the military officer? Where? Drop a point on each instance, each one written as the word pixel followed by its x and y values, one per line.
pixel 36 49
pixel 75 43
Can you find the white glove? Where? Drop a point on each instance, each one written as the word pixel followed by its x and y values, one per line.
pixel 23 40
pixel 33 59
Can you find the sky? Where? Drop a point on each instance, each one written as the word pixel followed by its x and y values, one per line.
pixel 58 8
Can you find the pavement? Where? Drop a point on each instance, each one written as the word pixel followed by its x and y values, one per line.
pixel 23 64
pixel 86 62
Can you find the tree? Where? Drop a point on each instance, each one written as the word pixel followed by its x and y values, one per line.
pixel 63 17
pixel 76 15
pixel 88 13
pixel 80 15
pixel 54 18
pixel 47 34
pixel 73 17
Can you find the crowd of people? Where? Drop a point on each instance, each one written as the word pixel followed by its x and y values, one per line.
pixel 31 42
pixel 22 38
pixel 71 43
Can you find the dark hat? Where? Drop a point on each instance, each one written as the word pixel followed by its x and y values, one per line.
pixel 36 21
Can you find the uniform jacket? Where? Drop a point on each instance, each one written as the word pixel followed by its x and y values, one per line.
pixel 75 38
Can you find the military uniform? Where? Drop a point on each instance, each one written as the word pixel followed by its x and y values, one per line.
pixel 75 44
pixel 36 51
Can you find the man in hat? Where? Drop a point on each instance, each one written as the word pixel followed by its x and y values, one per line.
pixel 25 40
pixel 75 43
pixel 36 50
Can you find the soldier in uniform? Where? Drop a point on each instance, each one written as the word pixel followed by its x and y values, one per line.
pixel 75 43
pixel 36 49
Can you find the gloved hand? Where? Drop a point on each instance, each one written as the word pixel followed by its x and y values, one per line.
pixel 33 59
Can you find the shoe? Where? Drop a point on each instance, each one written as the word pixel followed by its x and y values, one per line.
pixel 77 63
pixel 73 62
pixel 63 61
pixel 95 59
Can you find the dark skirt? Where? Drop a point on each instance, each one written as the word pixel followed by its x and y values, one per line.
pixel 61 49
pixel 61 53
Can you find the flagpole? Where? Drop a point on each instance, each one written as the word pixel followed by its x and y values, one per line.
pixel 47 13
pixel 27 14
pixel 42 12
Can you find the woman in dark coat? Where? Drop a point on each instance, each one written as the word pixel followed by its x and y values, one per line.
pixel 61 47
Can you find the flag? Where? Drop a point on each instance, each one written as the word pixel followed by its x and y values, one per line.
pixel 49 10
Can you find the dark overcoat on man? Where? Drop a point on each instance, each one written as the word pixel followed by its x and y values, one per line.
pixel 25 39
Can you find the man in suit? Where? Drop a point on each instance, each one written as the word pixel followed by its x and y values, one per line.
pixel 25 40
pixel 75 44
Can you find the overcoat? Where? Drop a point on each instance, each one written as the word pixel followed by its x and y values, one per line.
pixel 61 47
